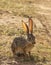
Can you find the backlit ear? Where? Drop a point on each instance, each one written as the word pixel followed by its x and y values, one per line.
pixel 30 25
pixel 25 27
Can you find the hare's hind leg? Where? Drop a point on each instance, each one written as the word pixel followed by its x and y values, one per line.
pixel 26 57
pixel 31 56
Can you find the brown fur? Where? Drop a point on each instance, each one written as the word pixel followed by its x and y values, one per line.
pixel 22 45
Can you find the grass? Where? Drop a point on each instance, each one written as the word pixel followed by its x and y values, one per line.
pixel 42 50
pixel 10 31
pixel 9 34
pixel 16 7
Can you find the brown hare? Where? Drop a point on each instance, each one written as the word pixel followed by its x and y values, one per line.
pixel 21 45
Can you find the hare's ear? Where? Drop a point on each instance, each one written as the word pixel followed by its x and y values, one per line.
pixel 25 27
pixel 30 25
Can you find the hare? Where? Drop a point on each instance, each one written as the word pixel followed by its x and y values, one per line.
pixel 21 45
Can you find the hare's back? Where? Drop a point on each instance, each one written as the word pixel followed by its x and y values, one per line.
pixel 20 41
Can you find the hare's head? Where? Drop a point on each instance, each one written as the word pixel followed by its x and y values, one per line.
pixel 29 30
